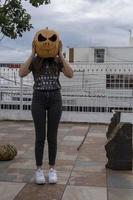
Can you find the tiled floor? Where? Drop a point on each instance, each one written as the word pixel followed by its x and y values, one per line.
pixel 81 174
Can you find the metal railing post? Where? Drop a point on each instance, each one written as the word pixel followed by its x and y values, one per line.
pixel 21 93
pixel 0 90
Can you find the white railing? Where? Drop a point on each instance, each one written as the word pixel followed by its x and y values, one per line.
pixel 86 97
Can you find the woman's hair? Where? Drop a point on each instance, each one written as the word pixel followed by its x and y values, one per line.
pixel 39 65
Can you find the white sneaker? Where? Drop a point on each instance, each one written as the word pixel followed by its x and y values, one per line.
pixel 52 176
pixel 39 177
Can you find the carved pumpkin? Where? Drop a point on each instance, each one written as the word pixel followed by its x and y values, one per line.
pixel 46 43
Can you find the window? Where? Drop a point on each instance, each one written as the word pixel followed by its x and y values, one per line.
pixel 99 55
pixel 119 81
pixel 71 55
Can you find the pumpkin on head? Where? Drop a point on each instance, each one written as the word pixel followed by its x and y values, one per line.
pixel 46 43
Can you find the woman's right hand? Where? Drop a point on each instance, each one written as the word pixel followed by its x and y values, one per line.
pixel 60 50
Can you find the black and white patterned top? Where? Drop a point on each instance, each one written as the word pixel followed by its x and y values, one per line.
pixel 46 73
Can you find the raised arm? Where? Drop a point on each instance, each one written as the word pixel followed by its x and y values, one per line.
pixel 67 70
pixel 24 68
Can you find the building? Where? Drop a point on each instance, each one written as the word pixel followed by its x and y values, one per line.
pixel 100 54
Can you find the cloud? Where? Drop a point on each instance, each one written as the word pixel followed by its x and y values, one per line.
pixel 14 55
pixel 80 23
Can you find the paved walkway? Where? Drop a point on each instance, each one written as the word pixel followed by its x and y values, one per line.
pixel 81 174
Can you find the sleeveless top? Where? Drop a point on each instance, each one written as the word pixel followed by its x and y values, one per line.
pixel 46 73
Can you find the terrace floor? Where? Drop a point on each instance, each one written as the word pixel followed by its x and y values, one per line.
pixel 81 174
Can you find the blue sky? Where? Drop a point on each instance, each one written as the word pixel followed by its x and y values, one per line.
pixel 81 23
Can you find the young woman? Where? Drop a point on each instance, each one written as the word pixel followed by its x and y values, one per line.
pixel 46 103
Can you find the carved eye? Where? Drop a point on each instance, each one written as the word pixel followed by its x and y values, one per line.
pixel 41 38
pixel 53 38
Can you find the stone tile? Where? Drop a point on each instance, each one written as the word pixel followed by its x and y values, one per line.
pixel 71 143
pixel 3 134
pixel 85 166
pixel 80 126
pixel 88 170
pixel 25 129
pixel 120 194
pixel 64 148
pixel 95 140
pixel 92 152
pixel 12 124
pixel 16 175
pixel 29 154
pixel 98 128
pixel 95 134
pixel 23 163
pixel 66 125
pixel 65 156
pixel 41 192
pixel 8 190
pixel 5 164
pixel 64 165
pixel 63 177
pixel 78 130
pixel 84 193
pixel 73 138
pixel 63 130
pixel 120 179
pixel 88 179
pixel 92 156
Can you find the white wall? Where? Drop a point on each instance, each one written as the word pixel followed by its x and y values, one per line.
pixel 131 41
pixel 70 116
pixel 119 54
pixel 112 54
pixel 83 54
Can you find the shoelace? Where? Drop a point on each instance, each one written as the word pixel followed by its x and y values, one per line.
pixel 39 172
pixel 52 171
